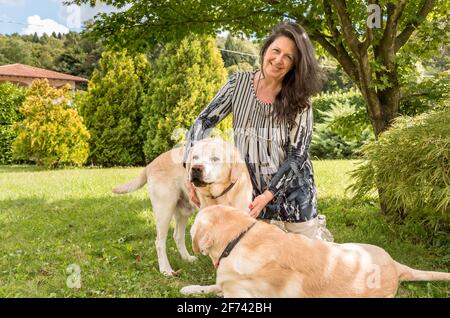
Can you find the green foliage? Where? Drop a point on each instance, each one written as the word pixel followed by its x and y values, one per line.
pixel 51 133
pixel 241 67
pixel 111 109
pixel 71 53
pixel 324 102
pixel 416 183
pixel 334 77
pixel 184 79
pixel 426 95
pixel 11 98
pixel 327 144
pixel 233 46
pixel 341 125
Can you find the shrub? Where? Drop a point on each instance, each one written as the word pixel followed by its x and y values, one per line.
pixel 327 144
pixel 341 125
pixel 416 184
pixel 51 133
pixel 11 98
pixel 325 102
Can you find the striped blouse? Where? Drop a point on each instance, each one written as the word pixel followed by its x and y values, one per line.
pixel 276 154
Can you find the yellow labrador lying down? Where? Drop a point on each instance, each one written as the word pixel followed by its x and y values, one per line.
pixel 265 261
pixel 219 175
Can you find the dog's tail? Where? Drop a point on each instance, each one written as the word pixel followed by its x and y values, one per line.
pixel 133 185
pixel 409 274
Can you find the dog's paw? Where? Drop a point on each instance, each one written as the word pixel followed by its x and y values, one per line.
pixel 192 289
pixel 190 258
pixel 168 272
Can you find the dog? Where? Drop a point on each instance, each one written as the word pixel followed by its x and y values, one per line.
pixel 219 175
pixel 257 259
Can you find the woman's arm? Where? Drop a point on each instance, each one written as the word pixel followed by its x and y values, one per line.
pixel 299 141
pixel 217 110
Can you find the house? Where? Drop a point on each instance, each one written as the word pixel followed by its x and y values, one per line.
pixel 23 75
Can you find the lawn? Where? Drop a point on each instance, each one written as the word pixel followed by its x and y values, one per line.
pixel 52 220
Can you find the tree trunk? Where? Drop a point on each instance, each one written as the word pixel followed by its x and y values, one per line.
pixel 382 107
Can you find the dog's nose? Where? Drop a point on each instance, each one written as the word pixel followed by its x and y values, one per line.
pixel 197 169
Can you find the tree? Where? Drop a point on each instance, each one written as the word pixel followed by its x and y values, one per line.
pixel 111 109
pixel 184 79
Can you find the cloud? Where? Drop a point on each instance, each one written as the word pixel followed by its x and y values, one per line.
pixel 41 26
pixel 75 16
pixel 13 3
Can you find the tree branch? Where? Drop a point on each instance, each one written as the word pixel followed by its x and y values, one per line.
pixel 386 48
pixel 347 28
pixel 402 38
pixel 339 53
pixel 329 16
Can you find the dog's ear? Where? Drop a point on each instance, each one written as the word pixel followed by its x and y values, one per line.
pixel 201 239
pixel 237 165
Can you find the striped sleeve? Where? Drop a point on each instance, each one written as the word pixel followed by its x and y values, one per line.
pixel 299 141
pixel 217 110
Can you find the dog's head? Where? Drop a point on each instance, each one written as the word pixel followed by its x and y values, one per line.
pixel 214 160
pixel 215 226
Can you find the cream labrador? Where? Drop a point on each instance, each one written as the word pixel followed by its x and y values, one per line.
pixel 256 259
pixel 219 175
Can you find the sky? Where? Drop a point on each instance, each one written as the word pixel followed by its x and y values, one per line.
pixel 44 16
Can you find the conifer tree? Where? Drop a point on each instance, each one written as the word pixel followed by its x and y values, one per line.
pixel 111 109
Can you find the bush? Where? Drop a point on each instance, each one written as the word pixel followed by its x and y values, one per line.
pixel 11 98
pixel 327 144
pixel 51 133
pixel 325 102
pixel 341 125
pixel 410 164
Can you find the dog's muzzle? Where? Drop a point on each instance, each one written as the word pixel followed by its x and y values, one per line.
pixel 197 176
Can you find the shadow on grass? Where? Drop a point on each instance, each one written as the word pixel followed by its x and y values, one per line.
pixel 21 168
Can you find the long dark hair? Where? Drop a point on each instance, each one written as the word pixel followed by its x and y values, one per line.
pixel 302 81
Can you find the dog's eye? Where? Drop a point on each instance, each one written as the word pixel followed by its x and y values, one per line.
pixel 215 159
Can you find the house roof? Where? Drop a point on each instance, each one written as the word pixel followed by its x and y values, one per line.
pixel 36 72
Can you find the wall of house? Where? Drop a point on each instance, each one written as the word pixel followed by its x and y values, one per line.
pixel 26 81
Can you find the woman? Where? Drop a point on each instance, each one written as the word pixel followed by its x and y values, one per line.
pixel 272 125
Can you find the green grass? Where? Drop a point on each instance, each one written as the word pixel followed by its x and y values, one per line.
pixel 52 219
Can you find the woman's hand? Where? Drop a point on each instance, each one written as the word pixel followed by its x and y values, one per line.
pixel 259 203
pixel 192 194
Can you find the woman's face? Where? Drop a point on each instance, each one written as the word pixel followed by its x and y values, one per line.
pixel 279 58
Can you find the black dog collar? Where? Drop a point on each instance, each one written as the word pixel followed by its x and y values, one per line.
pixel 231 245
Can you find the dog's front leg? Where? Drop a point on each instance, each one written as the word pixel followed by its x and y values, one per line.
pixel 198 289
